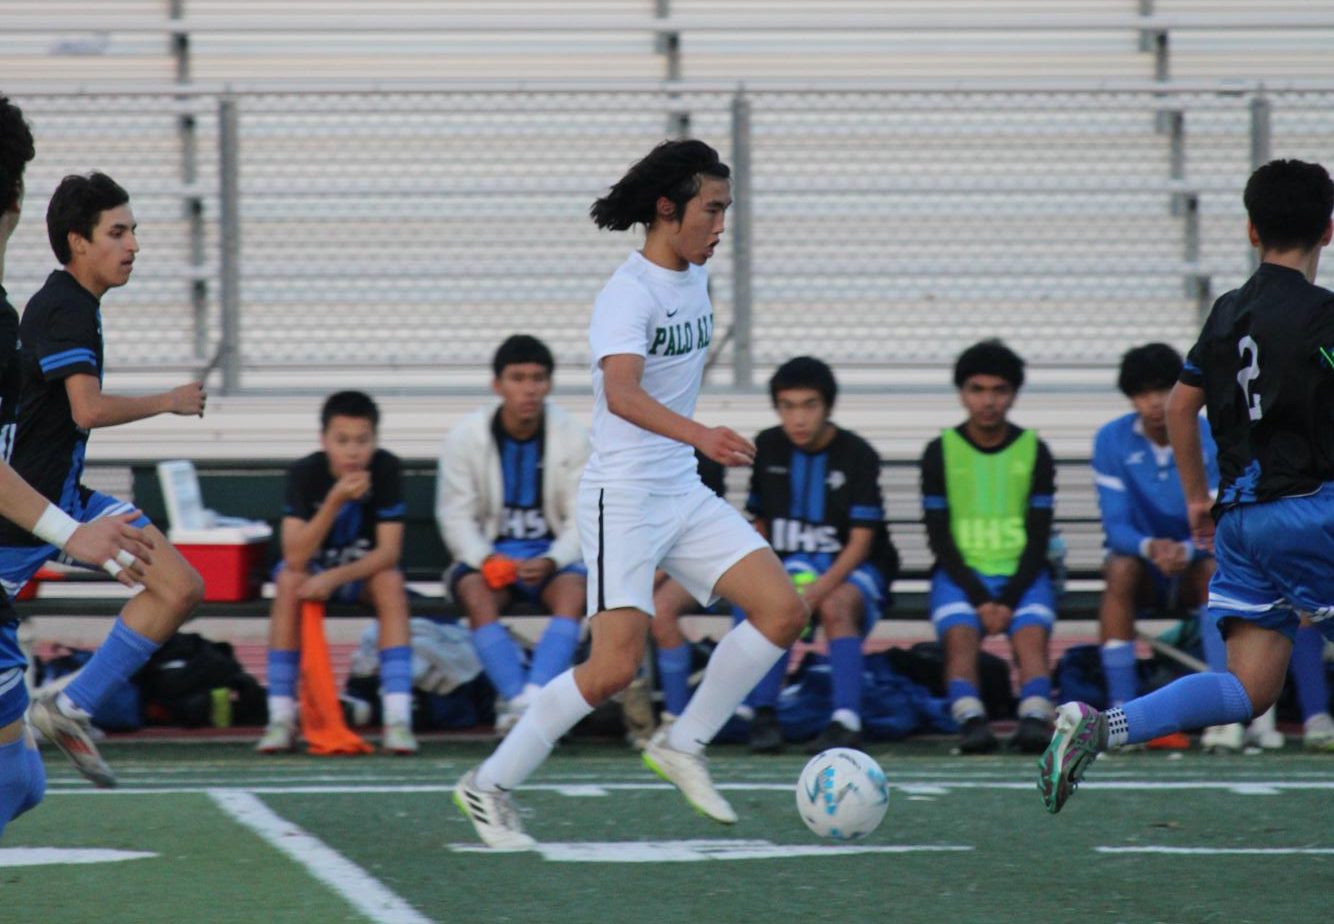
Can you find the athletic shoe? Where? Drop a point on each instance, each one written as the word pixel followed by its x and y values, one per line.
pixel 690 774
pixel 1030 735
pixel 976 737
pixel 1262 733
pixel 637 713
pixel 72 736
pixel 1080 736
pixel 1172 741
pixel 398 739
pixel 278 738
pixel 835 735
pixel 509 712
pixel 493 815
pixel 766 736
pixel 1223 739
pixel 1318 733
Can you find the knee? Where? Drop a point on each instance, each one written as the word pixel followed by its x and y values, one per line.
pixel 792 618
pixel 610 676
pixel 182 591
pixel 388 582
pixel 838 620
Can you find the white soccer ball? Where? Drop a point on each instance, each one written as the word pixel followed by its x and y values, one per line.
pixel 842 794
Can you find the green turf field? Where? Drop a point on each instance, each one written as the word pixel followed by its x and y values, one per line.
pixel 216 834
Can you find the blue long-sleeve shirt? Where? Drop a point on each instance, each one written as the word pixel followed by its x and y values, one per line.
pixel 1139 492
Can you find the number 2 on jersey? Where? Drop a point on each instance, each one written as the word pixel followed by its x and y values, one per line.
pixel 1249 374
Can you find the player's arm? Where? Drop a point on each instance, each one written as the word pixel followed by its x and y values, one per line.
pixel 1183 430
pixel 1037 527
pixel 385 556
pixel 457 503
pixel 111 542
pixel 622 377
pixel 856 551
pixel 1114 501
pixel 936 515
pixel 92 408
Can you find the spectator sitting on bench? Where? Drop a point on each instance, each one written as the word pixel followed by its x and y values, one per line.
pixel 342 535
pixel 988 492
pixel 504 501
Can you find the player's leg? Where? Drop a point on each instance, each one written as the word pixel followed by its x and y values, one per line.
pixel 496 649
pixel 565 596
pixel 22 775
pixel 1030 637
pixel 1308 675
pixel 387 592
pixel 284 660
pixel 760 707
pixel 1122 578
pixel 960 633
pixel 671 601
pixel 842 616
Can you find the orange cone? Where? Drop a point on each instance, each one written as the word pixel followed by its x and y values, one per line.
pixel 322 722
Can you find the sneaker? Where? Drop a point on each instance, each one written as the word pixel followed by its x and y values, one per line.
pixel 835 735
pixel 1079 737
pixel 493 815
pixel 1223 739
pixel 766 736
pixel 278 738
pixel 1318 733
pixel 398 739
pixel 1031 735
pixel 73 736
pixel 509 712
pixel 637 712
pixel 975 736
pixel 1262 734
pixel 690 774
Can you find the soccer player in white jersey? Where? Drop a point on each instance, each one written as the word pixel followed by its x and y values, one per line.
pixel 642 505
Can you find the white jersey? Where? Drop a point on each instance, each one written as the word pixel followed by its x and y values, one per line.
pixel 666 317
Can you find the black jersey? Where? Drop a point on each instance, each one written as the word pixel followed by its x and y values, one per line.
pixel 60 336
pixel 810 501
pixel 521 467
pixel 11 375
pixel 353 532
pixel 1265 360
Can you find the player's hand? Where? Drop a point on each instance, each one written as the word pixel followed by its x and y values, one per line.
pixel 352 486
pixel 316 587
pixel 113 539
pixel 726 447
pixel 1201 524
pixel 1168 556
pixel 535 570
pixel 188 400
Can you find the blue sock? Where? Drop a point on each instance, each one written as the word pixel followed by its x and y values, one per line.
pixel 959 689
pixel 283 667
pixel 1038 686
pixel 1215 647
pixel 22 779
pixel 770 685
pixel 118 657
pixel 396 669
pixel 674 675
pixel 555 650
pixel 1308 671
pixel 845 666
pixel 1118 666
pixel 500 659
pixel 1188 703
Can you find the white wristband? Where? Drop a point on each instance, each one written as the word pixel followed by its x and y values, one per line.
pixel 55 526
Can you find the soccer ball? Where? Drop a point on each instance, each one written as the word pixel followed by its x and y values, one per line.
pixel 842 794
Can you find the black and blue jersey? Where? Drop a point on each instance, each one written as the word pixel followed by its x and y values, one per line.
pixel 521 466
pixel 1265 360
pixel 60 336
pixel 810 501
pixel 352 535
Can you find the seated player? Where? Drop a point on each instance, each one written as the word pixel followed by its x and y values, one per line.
pixel 91 228
pixel 815 495
pixel 505 498
pixel 988 490
pixel 342 537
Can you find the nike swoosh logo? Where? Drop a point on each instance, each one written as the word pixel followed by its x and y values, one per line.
pixel 672 314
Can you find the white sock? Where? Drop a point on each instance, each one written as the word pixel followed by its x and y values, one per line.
pixel 557 708
pixel 848 719
pixel 740 660
pixel 282 710
pixel 397 708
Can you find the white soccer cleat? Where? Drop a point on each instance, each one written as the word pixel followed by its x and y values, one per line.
pixel 690 774
pixel 1263 734
pixel 278 738
pixel 398 739
pixel 1223 739
pixel 71 735
pixel 492 814
pixel 1318 733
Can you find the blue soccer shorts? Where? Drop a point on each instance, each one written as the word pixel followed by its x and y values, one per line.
pixel 950 606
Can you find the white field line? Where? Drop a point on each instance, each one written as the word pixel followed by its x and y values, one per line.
pixel 935 787
pixel 1225 851
pixel 367 894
